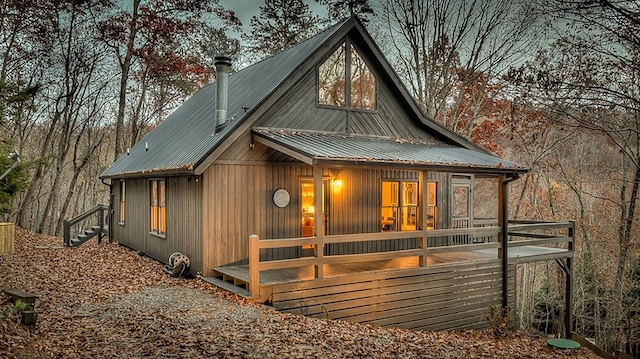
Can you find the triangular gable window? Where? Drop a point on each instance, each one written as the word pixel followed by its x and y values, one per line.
pixel 333 89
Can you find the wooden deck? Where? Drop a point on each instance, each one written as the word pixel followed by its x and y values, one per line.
pixel 522 254
pixel 429 288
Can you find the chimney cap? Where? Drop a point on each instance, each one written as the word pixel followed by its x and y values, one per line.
pixel 222 60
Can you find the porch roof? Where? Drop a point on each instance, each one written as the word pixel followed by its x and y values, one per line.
pixel 316 148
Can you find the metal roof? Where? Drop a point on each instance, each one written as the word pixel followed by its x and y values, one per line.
pixel 182 143
pixel 317 147
pixel 186 137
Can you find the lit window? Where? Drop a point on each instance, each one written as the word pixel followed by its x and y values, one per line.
pixel 122 201
pixel 432 207
pixel 158 207
pixel 399 206
pixel 334 89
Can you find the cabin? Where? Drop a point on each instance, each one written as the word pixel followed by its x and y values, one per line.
pixel 313 182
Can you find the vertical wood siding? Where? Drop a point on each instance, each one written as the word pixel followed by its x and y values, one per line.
pixel 298 110
pixel 238 191
pixel 183 213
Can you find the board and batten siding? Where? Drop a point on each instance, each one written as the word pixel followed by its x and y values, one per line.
pixel 183 216
pixel 298 109
pixel 238 202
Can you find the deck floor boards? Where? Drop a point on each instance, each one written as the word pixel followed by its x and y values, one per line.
pixel 290 275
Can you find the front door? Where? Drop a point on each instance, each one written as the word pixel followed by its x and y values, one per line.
pixel 311 216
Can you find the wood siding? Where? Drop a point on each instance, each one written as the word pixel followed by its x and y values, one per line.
pixel 446 297
pixel 298 109
pixel 183 213
pixel 238 202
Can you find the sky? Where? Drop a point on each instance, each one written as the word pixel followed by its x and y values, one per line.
pixel 245 9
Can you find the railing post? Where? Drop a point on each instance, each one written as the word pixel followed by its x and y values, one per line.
pixel 318 227
pixel 66 233
pixel 423 242
pixel 254 266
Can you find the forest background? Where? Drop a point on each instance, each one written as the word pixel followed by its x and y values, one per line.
pixel 550 84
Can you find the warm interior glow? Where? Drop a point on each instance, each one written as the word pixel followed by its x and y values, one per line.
pixel 337 182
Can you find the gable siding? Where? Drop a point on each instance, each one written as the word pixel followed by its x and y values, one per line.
pixel 298 109
pixel 183 213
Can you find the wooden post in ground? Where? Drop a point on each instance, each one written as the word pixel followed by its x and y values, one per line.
pixel 254 266
pixel 503 236
pixel 568 296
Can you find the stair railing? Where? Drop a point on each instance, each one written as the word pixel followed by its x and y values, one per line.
pixel 102 212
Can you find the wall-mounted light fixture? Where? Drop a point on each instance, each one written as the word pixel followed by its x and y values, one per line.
pixel 337 182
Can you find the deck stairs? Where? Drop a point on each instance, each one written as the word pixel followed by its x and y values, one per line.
pixel 229 283
pixel 80 229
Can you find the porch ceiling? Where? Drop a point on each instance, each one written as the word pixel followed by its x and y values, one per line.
pixel 316 148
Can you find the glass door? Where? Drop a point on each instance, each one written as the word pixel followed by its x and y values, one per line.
pixel 399 206
pixel 309 214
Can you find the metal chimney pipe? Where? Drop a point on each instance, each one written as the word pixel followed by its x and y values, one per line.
pixel 223 65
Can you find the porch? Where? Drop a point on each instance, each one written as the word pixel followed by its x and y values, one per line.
pixel 440 287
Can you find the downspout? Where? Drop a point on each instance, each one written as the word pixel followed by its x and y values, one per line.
pixel 504 231
pixel 110 208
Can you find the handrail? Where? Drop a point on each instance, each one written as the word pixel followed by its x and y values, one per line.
pixel 79 218
pixel 516 230
pixel 255 244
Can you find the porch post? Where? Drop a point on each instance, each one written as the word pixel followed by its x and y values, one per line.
pixel 254 266
pixel 503 236
pixel 568 296
pixel 423 242
pixel 318 225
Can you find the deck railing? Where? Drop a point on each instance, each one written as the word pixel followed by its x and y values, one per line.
pixel 539 233
pixel 319 259
pixel 521 233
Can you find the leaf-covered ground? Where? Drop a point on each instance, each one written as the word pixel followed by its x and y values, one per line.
pixel 105 301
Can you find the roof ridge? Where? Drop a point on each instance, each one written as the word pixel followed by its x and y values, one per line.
pixel 292 47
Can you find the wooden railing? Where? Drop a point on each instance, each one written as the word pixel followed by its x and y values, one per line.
pixel 539 233
pixel 423 251
pixel 97 217
pixel 529 230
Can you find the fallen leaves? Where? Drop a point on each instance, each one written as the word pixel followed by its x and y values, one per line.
pixel 107 301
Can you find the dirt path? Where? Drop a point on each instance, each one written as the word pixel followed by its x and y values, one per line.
pixel 105 301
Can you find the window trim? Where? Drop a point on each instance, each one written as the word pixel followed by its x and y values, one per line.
pixel 157 232
pixel 398 188
pixel 123 203
pixel 347 73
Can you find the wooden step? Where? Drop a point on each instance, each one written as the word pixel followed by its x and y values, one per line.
pixel 228 286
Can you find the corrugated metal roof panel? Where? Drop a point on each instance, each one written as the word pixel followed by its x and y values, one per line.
pixel 187 136
pixel 368 149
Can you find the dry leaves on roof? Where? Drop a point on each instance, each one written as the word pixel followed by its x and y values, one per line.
pixel 104 300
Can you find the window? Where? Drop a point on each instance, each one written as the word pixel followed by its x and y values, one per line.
pixel 122 202
pixel 399 206
pixel 432 204
pixel 334 89
pixel 158 207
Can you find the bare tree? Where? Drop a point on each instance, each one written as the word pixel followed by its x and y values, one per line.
pixel 445 48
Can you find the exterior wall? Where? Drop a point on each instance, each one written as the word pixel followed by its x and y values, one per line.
pixel 238 202
pixel 298 109
pixel 183 215
pixel 444 297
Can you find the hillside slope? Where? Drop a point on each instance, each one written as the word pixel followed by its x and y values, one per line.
pixel 107 301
